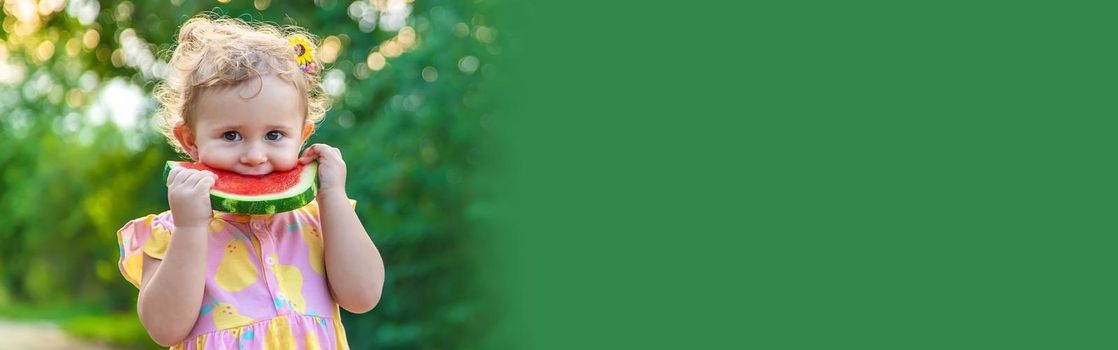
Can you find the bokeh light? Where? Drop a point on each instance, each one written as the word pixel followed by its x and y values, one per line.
pixel 430 74
pixel 328 51
pixel 91 38
pixel 391 49
pixel 376 61
pixel 468 64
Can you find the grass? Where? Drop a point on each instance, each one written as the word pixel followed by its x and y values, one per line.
pixel 86 321
pixel 119 329
pixel 55 313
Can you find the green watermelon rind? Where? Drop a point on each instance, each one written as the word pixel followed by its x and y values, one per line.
pixel 294 198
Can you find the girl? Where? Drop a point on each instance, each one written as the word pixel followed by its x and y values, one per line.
pixel 244 98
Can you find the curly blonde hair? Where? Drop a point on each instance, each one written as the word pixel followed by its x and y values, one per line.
pixel 225 52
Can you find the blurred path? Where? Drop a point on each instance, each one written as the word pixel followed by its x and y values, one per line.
pixel 40 336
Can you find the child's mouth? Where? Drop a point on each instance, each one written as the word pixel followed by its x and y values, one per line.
pixel 254 173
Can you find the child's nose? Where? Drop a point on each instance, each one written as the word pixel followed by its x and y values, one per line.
pixel 254 156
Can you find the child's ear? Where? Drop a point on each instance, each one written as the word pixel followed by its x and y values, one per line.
pixel 186 140
pixel 308 129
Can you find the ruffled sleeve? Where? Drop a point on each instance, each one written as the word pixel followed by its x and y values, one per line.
pixel 147 235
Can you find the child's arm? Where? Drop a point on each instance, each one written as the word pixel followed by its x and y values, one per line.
pixel 354 267
pixel 171 294
pixel 171 290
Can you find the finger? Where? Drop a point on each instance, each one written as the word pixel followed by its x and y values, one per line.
pixel 185 176
pixel 182 176
pixel 208 175
pixel 306 154
pixel 192 180
pixel 325 155
pixel 206 182
pixel 335 153
pixel 171 176
pixel 310 154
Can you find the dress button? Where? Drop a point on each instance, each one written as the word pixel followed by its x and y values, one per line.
pixel 280 295
pixel 270 261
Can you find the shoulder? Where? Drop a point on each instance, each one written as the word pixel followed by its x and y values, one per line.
pixel 149 221
pixel 138 230
pixel 149 235
pixel 310 211
pixel 307 215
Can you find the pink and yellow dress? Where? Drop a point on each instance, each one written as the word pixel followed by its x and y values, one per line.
pixel 265 280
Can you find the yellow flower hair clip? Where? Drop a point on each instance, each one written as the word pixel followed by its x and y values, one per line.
pixel 304 52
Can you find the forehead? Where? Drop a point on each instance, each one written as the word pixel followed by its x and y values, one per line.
pixel 264 100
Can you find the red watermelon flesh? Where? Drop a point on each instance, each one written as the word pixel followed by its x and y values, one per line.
pixel 258 194
pixel 251 185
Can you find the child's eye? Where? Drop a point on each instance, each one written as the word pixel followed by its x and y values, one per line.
pixel 273 135
pixel 231 136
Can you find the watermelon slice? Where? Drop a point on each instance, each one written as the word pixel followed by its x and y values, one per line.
pixel 264 194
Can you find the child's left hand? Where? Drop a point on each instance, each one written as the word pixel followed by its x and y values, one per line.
pixel 331 167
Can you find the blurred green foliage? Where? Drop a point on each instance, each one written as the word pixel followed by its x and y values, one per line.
pixel 409 116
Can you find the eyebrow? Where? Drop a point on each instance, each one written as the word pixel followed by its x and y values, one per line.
pixel 270 126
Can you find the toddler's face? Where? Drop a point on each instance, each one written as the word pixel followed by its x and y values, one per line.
pixel 249 136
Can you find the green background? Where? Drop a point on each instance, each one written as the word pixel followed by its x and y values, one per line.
pixel 815 175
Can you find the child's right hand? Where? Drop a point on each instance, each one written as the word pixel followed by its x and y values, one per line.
pixel 188 194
